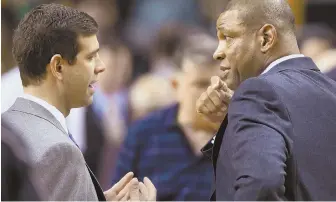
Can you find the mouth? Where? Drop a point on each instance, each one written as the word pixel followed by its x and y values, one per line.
pixel 92 85
pixel 224 71
pixel 224 68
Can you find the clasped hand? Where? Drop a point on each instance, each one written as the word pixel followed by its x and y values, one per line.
pixel 130 189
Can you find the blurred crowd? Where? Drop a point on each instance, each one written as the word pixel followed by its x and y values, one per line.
pixel 150 48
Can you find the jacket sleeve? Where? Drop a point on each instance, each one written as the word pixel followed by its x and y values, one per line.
pixel 258 131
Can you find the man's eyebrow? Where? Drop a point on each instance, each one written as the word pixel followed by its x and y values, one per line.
pixel 222 28
pixel 222 25
pixel 227 27
pixel 219 25
pixel 93 52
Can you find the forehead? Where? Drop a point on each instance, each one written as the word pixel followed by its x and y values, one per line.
pixel 230 20
pixel 88 43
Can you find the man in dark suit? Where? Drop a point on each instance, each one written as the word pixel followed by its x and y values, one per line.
pixel 277 140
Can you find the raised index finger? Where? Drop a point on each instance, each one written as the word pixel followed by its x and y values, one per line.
pixel 224 87
pixel 216 82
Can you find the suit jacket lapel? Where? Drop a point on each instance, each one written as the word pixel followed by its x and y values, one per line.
pixel 30 107
pixel 211 150
pixel 99 191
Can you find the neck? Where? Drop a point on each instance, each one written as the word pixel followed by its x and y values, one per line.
pixel 282 52
pixel 49 94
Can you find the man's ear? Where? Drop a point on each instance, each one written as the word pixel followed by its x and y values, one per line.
pixel 268 37
pixel 174 82
pixel 56 66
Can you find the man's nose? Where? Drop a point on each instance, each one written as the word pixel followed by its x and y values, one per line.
pixel 219 53
pixel 100 67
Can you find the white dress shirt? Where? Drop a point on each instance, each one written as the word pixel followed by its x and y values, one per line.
pixel 53 110
pixel 282 59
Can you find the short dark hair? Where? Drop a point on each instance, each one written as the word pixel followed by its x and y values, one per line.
pixel 47 30
pixel 257 12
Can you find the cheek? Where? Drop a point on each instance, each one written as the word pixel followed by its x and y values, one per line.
pixel 88 68
pixel 243 56
pixel 90 65
pixel 235 56
pixel 81 74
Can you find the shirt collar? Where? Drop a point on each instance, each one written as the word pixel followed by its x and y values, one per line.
pixel 282 59
pixel 53 110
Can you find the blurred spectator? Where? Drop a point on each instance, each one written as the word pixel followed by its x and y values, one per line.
pixel 17 180
pixel 166 144
pixel 317 41
pixel 8 23
pixel 149 93
pixel 105 12
pixel 327 61
pixel 211 10
pixel 165 50
pixel 149 15
pixel 111 99
pixel 125 8
pixel 118 57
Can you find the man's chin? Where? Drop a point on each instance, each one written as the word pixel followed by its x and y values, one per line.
pixel 84 103
pixel 89 101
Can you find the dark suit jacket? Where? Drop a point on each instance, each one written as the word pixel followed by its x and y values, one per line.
pixel 278 140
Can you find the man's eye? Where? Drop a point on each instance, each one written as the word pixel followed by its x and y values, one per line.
pixel 227 37
pixel 224 37
pixel 91 57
